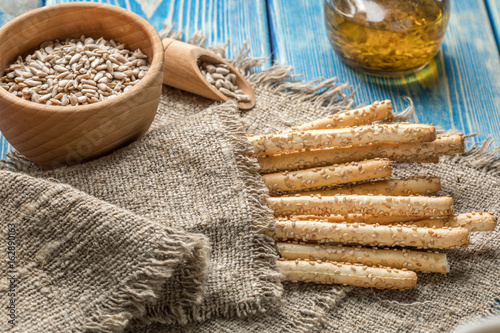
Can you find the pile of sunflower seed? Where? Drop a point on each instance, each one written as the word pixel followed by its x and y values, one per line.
pixel 221 78
pixel 75 72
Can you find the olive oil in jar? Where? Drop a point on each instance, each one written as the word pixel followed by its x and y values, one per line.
pixel 386 36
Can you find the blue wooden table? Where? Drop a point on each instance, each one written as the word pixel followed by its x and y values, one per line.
pixel 460 89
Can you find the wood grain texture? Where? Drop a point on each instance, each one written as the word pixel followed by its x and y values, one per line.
pixel 8 10
pixel 460 89
pixel 493 7
pixel 220 20
pixel 13 8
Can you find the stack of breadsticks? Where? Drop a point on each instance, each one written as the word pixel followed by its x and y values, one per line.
pixel 337 221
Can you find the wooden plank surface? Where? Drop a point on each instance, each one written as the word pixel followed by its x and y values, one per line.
pixel 494 11
pixel 221 20
pixel 12 8
pixel 8 10
pixel 460 89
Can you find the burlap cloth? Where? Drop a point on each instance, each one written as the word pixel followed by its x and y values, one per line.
pixel 77 263
pixel 188 176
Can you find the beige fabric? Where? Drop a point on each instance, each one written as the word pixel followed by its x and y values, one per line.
pixel 470 289
pixel 193 174
pixel 66 271
pixel 438 303
pixel 171 176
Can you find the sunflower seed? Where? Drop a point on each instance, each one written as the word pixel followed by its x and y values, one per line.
pixel 222 71
pixel 220 76
pixel 217 76
pixel 35 97
pixel 75 71
pixel 33 83
pixel 73 100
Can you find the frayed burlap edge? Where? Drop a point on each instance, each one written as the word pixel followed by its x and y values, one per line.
pixel 131 300
pixel 264 258
pixel 145 285
pixel 328 93
pixel 320 92
pixel 312 318
pixel 261 215
pixel 279 80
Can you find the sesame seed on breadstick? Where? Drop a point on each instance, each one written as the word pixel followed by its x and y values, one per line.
pixel 371 234
pixel 362 204
pixel 428 152
pixel 395 187
pixel 327 176
pixel 357 117
pixel 477 221
pixel 342 137
pixel 429 262
pixel 360 218
pixel 348 274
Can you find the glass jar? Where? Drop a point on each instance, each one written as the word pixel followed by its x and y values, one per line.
pixel 390 37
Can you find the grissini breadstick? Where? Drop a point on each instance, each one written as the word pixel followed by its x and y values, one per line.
pixel 429 262
pixel 425 160
pixel 362 204
pixel 477 221
pixel 405 152
pixel 372 234
pixel 361 116
pixel 327 176
pixel 348 274
pixel 342 137
pixel 395 187
pixel 438 222
pixel 352 218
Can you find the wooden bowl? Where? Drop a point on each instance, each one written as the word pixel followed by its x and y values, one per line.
pixel 53 136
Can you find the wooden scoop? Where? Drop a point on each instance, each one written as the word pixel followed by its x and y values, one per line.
pixel 182 71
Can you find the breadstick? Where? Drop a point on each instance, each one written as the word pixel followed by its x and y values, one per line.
pixel 371 234
pixel 429 223
pixel 327 176
pixel 363 204
pixel 395 187
pixel 476 221
pixel 472 221
pixel 428 262
pixel 362 116
pixel 351 218
pixel 405 152
pixel 341 137
pixel 347 274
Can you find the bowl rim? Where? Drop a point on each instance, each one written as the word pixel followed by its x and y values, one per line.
pixel 156 63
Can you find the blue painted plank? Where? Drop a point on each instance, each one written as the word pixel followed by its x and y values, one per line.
pixel 12 8
pixel 220 20
pixel 8 10
pixel 460 88
pixel 494 11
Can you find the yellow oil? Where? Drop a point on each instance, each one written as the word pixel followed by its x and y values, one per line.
pixel 386 36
